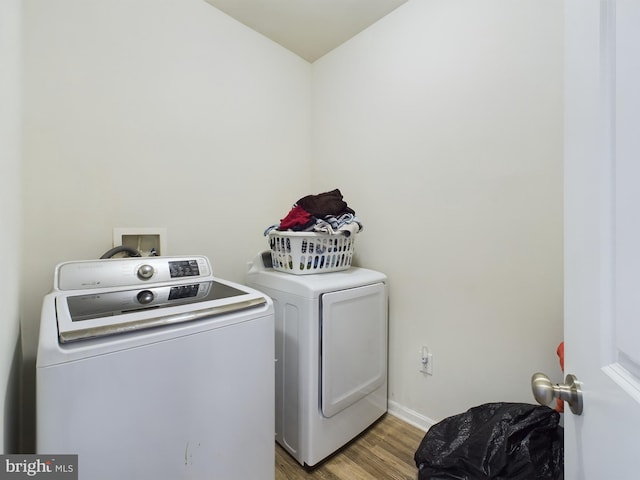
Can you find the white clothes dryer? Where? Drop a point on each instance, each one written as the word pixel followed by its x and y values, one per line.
pixel 154 368
pixel 331 355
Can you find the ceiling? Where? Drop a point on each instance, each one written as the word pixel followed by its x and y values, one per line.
pixel 309 28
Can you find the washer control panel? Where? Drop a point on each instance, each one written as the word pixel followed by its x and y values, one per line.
pixel 184 268
pixel 125 272
pixel 145 272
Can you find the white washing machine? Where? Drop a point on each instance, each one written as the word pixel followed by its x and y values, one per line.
pixel 153 368
pixel 331 355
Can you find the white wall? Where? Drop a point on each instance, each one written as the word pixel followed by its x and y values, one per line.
pixel 442 124
pixel 154 113
pixel 9 220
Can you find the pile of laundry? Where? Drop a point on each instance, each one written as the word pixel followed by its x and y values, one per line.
pixel 324 213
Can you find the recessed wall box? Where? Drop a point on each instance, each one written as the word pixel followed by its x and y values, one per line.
pixel 148 241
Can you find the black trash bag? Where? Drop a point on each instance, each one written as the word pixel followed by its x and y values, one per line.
pixel 495 441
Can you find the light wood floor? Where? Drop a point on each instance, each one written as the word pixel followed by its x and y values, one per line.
pixel 384 451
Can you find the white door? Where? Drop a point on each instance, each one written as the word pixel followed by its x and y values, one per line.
pixel 602 236
pixel 353 345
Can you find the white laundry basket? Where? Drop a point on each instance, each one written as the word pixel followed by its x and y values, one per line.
pixel 303 253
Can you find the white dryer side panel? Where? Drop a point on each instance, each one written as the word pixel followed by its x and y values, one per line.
pixel 296 369
pixel 353 346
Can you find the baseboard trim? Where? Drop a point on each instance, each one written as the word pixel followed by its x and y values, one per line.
pixel 410 416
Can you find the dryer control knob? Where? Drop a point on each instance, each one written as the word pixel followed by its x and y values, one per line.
pixel 145 297
pixel 145 272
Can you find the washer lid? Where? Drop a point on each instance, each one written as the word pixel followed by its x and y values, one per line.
pixel 99 312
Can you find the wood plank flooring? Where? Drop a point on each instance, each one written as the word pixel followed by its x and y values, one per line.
pixel 384 451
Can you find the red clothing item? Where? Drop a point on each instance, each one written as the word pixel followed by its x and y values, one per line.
pixel 296 217
pixel 560 352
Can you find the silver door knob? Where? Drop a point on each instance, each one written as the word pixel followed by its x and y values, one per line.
pixel 544 391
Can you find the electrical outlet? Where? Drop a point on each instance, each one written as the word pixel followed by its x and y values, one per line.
pixel 426 361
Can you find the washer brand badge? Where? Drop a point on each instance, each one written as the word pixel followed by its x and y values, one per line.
pixel 50 467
